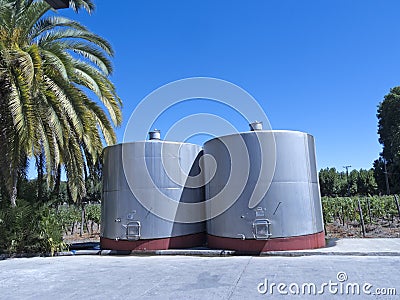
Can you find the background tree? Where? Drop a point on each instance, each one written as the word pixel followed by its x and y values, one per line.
pixel 329 180
pixel 389 136
pixel 379 175
pixel 366 184
pixel 335 184
pixel 47 63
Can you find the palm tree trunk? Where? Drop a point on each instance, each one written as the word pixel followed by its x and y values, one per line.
pixel 57 179
pixel 13 194
pixel 70 200
pixel 39 167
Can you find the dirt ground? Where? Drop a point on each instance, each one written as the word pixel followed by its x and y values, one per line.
pixel 90 234
pixel 76 238
pixel 378 229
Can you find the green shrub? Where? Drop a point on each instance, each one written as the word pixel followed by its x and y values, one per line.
pixel 68 214
pixel 93 212
pixel 30 228
pixel 346 208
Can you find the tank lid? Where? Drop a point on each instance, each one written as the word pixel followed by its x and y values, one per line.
pixel 154 135
pixel 256 125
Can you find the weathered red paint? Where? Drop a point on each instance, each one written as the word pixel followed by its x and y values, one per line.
pixel 186 241
pixel 311 241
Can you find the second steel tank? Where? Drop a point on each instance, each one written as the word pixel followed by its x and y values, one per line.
pixel 278 206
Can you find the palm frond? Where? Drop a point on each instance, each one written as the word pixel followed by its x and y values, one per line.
pixel 51 23
pixel 76 5
pixel 48 63
pixel 61 34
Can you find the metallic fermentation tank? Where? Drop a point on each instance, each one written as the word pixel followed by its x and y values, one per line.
pixel 289 215
pixel 126 223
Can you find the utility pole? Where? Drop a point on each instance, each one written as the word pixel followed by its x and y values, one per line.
pixel 347 177
pixel 386 178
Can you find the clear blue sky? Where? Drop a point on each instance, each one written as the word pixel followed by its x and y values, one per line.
pixel 316 66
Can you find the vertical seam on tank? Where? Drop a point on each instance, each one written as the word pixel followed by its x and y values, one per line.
pixel 318 189
pixel 309 184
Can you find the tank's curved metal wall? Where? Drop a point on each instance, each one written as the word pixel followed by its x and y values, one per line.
pixel 121 209
pixel 292 203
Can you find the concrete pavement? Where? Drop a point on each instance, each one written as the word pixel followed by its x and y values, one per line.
pixel 188 277
pixel 358 246
pixel 334 271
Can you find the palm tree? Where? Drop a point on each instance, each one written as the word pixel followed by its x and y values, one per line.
pixel 47 63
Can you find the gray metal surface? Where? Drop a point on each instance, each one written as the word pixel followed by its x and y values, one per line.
pixel 292 202
pixel 123 216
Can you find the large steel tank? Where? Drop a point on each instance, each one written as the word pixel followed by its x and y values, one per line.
pixel 126 223
pixel 288 213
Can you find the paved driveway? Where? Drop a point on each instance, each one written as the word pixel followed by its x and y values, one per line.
pixel 185 277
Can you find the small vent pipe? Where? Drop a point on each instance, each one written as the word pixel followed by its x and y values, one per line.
pixel 154 135
pixel 256 126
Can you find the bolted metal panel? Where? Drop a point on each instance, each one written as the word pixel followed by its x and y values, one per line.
pixel 122 211
pixel 291 203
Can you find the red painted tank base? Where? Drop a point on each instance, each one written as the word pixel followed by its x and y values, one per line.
pixel 178 242
pixel 311 241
